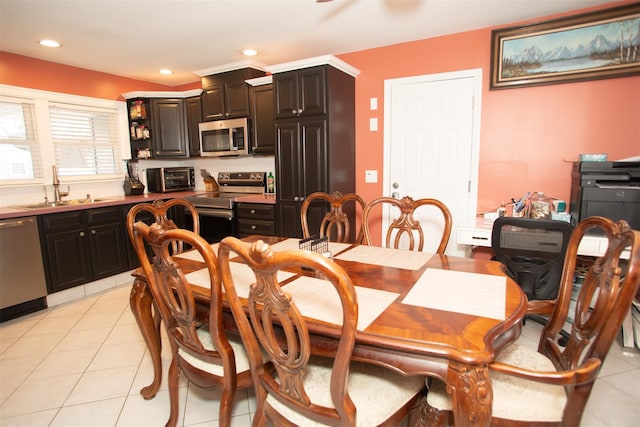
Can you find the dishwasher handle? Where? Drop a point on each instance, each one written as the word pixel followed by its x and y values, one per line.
pixel 16 223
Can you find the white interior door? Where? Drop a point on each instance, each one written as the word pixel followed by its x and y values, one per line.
pixel 431 144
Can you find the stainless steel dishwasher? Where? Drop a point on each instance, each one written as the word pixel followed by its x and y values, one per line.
pixel 23 287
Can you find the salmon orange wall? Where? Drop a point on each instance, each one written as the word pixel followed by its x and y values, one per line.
pixel 22 71
pixel 528 136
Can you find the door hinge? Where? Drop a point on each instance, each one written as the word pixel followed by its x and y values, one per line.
pixel 469 186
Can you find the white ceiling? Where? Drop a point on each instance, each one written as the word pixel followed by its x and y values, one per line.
pixel 136 38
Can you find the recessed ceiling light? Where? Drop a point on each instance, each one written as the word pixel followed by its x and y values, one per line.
pixel 249 52
pixel 166 72
pixel 49 43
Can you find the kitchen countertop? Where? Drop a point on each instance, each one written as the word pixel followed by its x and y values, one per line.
pixel 16 211
pixel 9 212
pixel 257 198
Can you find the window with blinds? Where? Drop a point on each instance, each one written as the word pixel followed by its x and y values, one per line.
pixel 19 153
pixel 85 140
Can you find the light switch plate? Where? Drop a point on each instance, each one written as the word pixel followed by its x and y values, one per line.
pixel 373 104
pixel 373 124
pixel 371 176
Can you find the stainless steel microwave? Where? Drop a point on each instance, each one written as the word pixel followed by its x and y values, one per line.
pixel 224 138
pixel 166 180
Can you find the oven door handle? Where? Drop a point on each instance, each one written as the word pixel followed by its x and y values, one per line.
pixel 216 213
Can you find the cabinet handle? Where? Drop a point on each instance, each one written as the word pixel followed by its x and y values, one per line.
pixel 299 111
pixel 253 211
pixel 93 231
pixel 296 198
pixel 82 234
pixel 253 227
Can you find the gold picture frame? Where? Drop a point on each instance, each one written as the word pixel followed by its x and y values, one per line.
pixel 596 45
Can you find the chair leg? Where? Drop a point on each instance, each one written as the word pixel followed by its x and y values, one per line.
pixel 226 405
pixel 173 378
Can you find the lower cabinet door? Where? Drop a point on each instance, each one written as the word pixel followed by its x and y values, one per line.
pixel 108 249
pixel 68 263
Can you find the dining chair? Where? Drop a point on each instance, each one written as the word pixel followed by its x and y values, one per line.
pixel 200 349
pixel 296 387
pixel 405 224
pixel 158 212
pixel 335 223
pixel 551 386
pixel 532 252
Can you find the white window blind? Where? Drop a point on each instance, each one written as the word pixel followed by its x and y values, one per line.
pixel 85 140
pixel 19 153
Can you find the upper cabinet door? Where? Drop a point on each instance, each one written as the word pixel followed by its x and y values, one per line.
pixel 213 102
pixel 312 94
pixel 169 128
pixel 194 118
pixel 236 100
pixel 264 134
pixel 300 93
pixel 285 88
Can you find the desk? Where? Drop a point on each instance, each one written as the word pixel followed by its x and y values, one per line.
pixel 480 235
pixel 410 339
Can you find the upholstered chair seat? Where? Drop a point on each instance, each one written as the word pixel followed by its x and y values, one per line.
pixel 516 398
pixel 365 384
pixel 242 360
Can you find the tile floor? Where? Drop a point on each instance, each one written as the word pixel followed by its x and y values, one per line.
pixel 83 363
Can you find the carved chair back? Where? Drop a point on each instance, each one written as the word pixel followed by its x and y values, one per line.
pixel 159 210
pixel 288 348
pixel 604 299
pixel 200 349
pixel 405 225
pixel 335 223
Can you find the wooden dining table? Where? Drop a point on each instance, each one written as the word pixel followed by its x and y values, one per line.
pixel 423 314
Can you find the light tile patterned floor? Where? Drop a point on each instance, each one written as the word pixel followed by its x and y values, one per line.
pixel 83 364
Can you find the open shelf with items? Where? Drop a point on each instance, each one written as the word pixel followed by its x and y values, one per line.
pixel 139 128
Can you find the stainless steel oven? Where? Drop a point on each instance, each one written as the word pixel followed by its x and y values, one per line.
pixel 217 211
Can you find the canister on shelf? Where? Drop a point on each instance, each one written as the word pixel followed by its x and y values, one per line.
pixel 540 206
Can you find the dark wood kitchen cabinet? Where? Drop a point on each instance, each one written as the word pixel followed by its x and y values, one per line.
pixel 169 129
pixel 194 118
pixel 263 138
pixel 226 95
pixel 300 93
pixel 82 246
pixel 314 152
pixel 256 218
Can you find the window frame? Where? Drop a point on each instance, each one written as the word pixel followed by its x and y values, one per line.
pixel 41 100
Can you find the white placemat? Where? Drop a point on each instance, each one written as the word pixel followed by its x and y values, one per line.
pixel 293 244
pixel 398 258
pixel 242 274
pixel 194 255
pixel 318 299
pixel 477 294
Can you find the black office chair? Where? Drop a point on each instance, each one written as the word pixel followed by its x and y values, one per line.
pixel 533 252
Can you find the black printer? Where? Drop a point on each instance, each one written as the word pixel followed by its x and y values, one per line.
pixel 609 189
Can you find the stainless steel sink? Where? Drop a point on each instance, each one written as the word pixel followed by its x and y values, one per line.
pixel 62 203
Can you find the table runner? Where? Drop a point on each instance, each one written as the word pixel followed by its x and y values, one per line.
pixel 318 299
pixel 293 244
pixel 194 255
pixel 461 292
pixel 386 257
pixel 242 274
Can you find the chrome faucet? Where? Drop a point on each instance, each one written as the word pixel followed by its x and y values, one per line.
pixel 57 194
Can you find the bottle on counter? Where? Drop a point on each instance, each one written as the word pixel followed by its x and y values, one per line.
pixel 271 184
